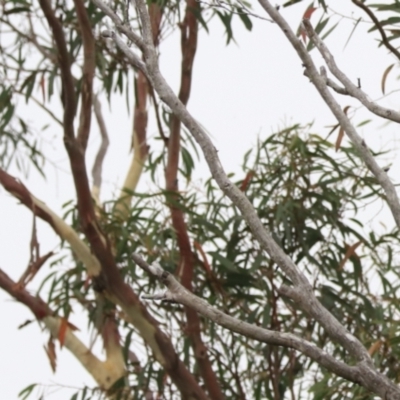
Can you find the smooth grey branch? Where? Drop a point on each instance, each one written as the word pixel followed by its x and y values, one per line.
pixel 132 57
pixel 119 24
pixel 330 82
pixel 381 385
pixel 177 293
pixel 156 296
pixel 368 377
pixel 351 88
pixel 309 302
pixel 320 84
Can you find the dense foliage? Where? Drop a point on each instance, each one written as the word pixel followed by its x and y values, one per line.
pixel 309 192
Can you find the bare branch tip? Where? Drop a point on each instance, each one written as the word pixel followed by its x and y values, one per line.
pixel 107 34
pixel 156 296
pixel 156 269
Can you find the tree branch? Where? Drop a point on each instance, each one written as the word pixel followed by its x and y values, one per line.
pixel 329 82
pixel 177 293
pixel 309 302
pixel 139 134
pixel 116 289
pixel 351 88
pixel 64 62
pixel 105 373
pixel 359 143
pixel 33 267
pixel 98 162
pixel 140 122
pixel 62 229
pixel 378 25
pixel 189 33
pixel 119 24
pixel 88 69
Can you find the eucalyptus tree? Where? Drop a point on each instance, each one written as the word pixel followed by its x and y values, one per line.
pixel 258 286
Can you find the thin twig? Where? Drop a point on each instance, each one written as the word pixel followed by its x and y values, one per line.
pixel 125 29
pixel 89 64
pixel 330 82
pixel 98 162
pixel 31 38
pixel 105 373
pixel 359 143
pixel 378 25
pixel 352 89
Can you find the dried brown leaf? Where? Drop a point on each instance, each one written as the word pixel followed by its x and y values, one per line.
pixel 341 132
pixel 384 76
pixel 351 251
pixel 50 350
pixel 62 331
pixel 375 347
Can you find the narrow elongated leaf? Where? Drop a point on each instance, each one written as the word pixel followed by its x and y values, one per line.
pixel 384 77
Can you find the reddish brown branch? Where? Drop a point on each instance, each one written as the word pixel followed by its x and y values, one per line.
pixel 81 250
pixel 110 280
pixel 19 190
pixel 64 62
pixel 76 148
pixel 378 25
pixel 120 292
pixel 38 307
pixel 32 270
pixel 189 30
pixel 216 284
pixel 89 65
pixel 142 86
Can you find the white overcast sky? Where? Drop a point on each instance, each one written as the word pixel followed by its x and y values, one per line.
pixel 239 92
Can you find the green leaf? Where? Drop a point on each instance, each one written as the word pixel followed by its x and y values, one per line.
pixel 28 85
pixel 227 21
pixel 25 393
pixel 352 31
pixel 224 262
pixel 17 10
pixel 245 18
pixel 389 21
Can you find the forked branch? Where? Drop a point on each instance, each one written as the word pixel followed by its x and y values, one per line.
pixel 350 87
pixel 106 373
pixel 307 299
pixel 177 293
pixel 378 25
pixel 185 270
pixel 61 228
pixel 310 303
